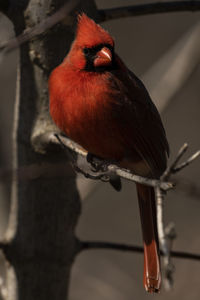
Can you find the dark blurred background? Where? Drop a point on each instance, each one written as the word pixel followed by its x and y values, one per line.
pixel 163 50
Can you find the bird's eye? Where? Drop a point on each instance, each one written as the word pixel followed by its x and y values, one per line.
pixel 86 51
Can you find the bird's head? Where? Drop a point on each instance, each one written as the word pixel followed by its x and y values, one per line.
pixel 93 47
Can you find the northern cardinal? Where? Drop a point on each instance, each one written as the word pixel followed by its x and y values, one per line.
pixel 100 104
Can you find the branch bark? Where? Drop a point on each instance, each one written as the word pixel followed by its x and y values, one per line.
pixel 110 168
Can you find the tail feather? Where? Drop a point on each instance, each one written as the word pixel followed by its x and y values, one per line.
pixel 152 274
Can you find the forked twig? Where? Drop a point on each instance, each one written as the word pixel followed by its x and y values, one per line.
pixel 166 239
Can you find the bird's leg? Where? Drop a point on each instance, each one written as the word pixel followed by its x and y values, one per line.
pixel 101 165
pixel 98 164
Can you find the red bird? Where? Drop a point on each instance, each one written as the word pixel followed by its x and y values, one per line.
pixel 100 104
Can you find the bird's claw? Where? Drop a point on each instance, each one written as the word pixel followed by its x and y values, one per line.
pixel 98 164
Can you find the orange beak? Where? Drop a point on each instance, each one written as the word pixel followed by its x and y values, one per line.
pixel 103 58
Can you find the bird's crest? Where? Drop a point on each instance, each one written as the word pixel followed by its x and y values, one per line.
pixel 90 34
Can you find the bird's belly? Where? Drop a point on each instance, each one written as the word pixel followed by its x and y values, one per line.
pixel 104 141
pixel 98 139
pixel 107 146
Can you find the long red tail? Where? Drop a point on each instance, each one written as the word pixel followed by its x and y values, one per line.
pixel 152 274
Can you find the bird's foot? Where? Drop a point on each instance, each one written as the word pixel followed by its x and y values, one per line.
pixel 98 164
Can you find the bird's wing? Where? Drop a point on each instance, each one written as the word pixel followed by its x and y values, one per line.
pixel 139 122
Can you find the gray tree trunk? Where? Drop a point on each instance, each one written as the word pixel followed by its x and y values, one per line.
pixel 40 242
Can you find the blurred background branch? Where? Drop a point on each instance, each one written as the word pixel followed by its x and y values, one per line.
pixel 97 245
pixel 145 9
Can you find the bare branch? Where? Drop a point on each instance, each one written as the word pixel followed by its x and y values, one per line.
pixel 166 250
pixel 171 167
pixel 96 245
pixel 68 144
pixel 187 162
pixel 110 168
pixel 146 9
pixel 47 170
pixel 39 29
pixel 165 246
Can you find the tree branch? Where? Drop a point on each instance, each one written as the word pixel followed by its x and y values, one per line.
pixel 166 240
pixel 109 169
pixel 68 144
pixel 41 28
pixel 97 245
pixel 146 9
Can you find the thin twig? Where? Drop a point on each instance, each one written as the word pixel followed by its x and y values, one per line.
pixel 146 9
pixel 96 245
pixel 186 163
pixel 171 167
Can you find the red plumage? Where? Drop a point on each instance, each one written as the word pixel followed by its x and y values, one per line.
pixel 90 34
pixel 105 108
